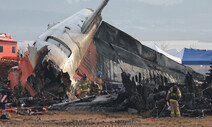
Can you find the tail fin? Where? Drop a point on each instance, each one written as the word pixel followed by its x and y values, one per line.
pixel 90 21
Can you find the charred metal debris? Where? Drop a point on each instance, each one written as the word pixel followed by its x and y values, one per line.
pixel 144 97
pixel 49 80
pixel 147 99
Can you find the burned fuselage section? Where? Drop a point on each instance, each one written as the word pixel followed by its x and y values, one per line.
pixel 145 74
pixel 118 51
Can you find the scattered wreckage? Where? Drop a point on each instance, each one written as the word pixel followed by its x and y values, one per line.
pixel 148 99
pixel 135 76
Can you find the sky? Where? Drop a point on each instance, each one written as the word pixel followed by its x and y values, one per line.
pixel 146 20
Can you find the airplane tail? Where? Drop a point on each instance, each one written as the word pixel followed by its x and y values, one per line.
pixel 91 20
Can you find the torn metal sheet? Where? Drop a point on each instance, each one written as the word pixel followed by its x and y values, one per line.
pixel 92 103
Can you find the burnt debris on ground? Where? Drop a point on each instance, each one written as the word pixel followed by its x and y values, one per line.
pixel 193 102
pixel 5 68
pixel 145 98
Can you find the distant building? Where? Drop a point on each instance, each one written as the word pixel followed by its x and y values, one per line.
pixel 8 47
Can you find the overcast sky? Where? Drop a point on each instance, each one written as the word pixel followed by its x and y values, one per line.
pixel 145 20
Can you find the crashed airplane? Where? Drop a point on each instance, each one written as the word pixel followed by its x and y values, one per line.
pixel 83 43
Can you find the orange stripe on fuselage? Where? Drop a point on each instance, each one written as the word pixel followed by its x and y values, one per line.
pixel 88 63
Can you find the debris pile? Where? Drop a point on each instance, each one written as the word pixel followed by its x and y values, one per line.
pixel 5 67
pixel 193 103
pixel 145 98
pixel 19 96
pixel 48 80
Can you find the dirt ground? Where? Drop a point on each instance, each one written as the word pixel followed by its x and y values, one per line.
pixel 95 119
